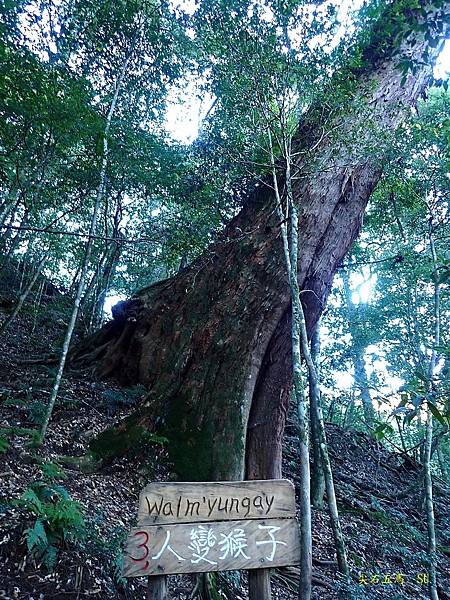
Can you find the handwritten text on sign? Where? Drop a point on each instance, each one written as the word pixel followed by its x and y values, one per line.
pixel 219 546
pixel 218 501
pixel 216 526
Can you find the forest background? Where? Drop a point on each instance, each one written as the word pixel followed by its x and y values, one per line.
pixel 106 191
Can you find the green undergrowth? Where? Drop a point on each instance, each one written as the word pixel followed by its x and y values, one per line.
pixel 117 399
pixel 54 525
pixel 32 399
pixel 7 434
pixel 56 521
pixel 385 519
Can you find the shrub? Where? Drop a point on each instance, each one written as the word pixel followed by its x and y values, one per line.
pixel 107 546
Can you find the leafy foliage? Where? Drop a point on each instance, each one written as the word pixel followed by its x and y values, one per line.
pixel 58 520
pixel 165 202
pixel 52 471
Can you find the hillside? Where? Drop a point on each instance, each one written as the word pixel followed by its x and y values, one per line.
pixel 379 493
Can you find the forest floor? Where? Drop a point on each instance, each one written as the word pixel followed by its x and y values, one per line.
pixel 379 493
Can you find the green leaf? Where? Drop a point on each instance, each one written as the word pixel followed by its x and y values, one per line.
pixel 381 431
pixel 36 537
pixel 410 416
pixel 4 444
pixel 50 556
pixel 30 500
pixel 52 471
pixel 436 414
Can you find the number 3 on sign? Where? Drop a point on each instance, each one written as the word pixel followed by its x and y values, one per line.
pixel 144 547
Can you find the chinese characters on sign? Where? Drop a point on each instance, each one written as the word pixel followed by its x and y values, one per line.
pixel 171 539
pixel 216 546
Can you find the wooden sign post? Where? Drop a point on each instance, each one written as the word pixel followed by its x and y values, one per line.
pixel 218 526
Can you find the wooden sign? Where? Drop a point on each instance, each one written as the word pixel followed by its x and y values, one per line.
pixel 221 526
pixel 219 546
pixel 216 501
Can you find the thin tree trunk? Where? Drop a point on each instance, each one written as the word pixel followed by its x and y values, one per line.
pixel 400 433
pixel 89 293
pixel 429 429
pixel 88 250
pixel 317 471
pixel 37 304
pixel 15 240
pixel 325 458
pixel 330 413
pixel 104 285
pixel 112 256
pixel 360 374
pixel 430 508
pixel 442 465
pixel 349 411
pixel 299 342
pixel 22 269
pixel 9 205
pixel 338 536
pixel 363 386
pixel 75 280
pixel 24 295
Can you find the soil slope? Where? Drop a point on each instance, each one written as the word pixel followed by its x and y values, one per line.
pixel 379 492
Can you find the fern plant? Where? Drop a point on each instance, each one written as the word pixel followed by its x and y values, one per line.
pixel 52 471
pixel 36 412
pixel 58 520
pixel 106 545
pixel 4 443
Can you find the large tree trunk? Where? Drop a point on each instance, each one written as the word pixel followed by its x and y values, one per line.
pixel 212 343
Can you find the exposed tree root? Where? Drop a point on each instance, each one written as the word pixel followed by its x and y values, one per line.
pixel 86 464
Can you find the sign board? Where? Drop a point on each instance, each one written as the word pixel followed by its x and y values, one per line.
pixel 217 526
pixel 216 501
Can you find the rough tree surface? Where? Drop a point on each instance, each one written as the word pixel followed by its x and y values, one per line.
pixel 212 343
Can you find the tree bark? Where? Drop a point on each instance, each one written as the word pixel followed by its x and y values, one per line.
pixel 442 463
pixel 287 212
pixel 317 416
pixel 9 253
pixel 104 283
pixel 212 343
pixel 9 204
